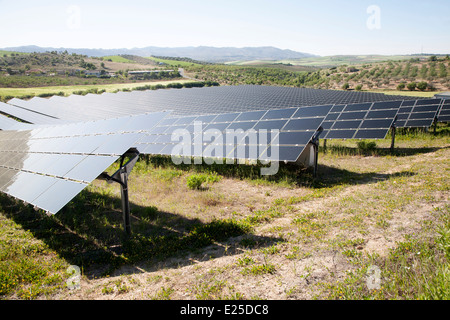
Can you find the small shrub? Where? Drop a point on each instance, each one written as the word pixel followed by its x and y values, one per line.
pixel 411 86
pixel 401 86
pixel 366 146
pixel 195 181
pixel 422 86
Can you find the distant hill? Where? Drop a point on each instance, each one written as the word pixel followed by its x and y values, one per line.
pixel 202 53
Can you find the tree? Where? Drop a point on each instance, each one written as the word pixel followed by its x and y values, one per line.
pixel 346 86
pixel 422 86
pixel 433 58
pixel 358 87
pixel 401 86
pixel 411 86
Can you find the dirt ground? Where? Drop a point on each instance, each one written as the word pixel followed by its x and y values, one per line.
pixel 372 215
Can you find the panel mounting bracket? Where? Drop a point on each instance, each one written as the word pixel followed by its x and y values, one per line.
pixel 393 130
pixel 315 142
pixel 121 177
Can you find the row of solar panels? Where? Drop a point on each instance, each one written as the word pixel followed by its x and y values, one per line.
pixel 194 101
pixel 47 165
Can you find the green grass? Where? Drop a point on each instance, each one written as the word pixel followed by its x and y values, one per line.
pixel 68 90
pixel 8 53
pixel 353 198
pixel 415 93
pixel 330 61
pixel 174 63
pixel 28 267
pixel 118 59
pixel 418 268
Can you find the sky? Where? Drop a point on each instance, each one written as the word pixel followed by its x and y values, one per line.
pixel 321 27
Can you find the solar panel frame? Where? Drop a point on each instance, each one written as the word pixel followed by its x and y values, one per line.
pixel 48 166
pixel 360 121
pixel 418 113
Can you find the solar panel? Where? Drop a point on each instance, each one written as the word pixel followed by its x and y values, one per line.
pixel 418 113
pixel 444 112
pixel 11 124
pixel 245 135
pixel 360 121
pixel 26 115
pixel 48 166
pixel 194 101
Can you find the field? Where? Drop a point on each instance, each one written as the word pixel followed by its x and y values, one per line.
pixel 68 90
pixel 332 61
pixel 174 63
pixel 225 232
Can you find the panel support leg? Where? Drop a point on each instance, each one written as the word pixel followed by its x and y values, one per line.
pixel 393 139
pixel 121 177
pixel 315 143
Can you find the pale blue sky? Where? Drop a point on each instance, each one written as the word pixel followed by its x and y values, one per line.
pixel 322 27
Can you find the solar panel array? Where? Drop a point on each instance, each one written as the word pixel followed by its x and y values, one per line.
pixel 74 139
pixel 48 166
pixel 278 135
pixel 360 121
pixel 444 112
pixel 417 113
pixel 192 101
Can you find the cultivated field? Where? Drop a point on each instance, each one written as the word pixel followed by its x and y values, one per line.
pixel 224 232
pixel 68 90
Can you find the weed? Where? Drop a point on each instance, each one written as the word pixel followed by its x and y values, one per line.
pixel 195 181
pixel 163 293
pixel 260 269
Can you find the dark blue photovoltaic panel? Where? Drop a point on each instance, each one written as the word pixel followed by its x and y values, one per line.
pixel 279 114
pixel 289 132
pixel 270 124
pixel 347 124
pixel 444 113
pixel 47 166
pixel 309 112
pixel 363 120
pixel 303 124
pixel 247 116
pixel 352 115
pixel 421 113
pixel 358 107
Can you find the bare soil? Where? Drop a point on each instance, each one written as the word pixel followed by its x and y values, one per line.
pixel 375 214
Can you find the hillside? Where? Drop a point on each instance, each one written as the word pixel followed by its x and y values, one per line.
pixel 386 75
pixel 64 69
pixel 203 53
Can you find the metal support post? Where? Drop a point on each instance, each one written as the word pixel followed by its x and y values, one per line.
pixel 315 143
pixel 121 177
pixel 393 139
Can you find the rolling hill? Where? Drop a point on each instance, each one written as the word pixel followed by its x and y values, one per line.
pixel 203 53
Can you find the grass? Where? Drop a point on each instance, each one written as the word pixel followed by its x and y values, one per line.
pixel 328 61
pixel 68 90
pixel 415 93
pixel 174 63
pixel 417 269
pixel 245 236
pixel 118 59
